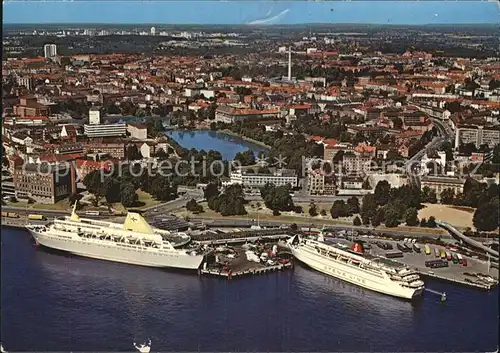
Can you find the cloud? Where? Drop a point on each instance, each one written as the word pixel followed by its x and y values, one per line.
pixel 270 20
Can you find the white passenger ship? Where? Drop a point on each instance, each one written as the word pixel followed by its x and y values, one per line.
pixel 357 268
pixel 133 242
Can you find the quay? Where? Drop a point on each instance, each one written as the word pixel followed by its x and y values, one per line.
pixel 241 240
pixel 476 284
pixel 454 273
pixel 228 274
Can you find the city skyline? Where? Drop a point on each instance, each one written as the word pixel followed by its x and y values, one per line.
pixel 252 13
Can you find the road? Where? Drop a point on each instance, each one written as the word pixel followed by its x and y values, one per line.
pixel 466 239
pixel 444 135
pixel 245 222
pixel 305 198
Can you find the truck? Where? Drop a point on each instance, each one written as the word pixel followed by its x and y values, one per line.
pixel 10 215
pixel 36 217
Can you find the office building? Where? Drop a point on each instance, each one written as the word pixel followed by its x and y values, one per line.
pixel 105 130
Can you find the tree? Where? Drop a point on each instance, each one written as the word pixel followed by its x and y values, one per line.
pixel 356 221
pixel 277 198
pixel 230 202
pixel 366 184
pixel 391 218
pixel 95 185
pixel 128 196
pixel 162 189
pixel 194 206
pixel 428 195
pixel 313 210
pixel 423 222
pixel 133 153
pixel 276 213
pixel 382 191
pixel 323 212
pixel 245 158
pixel 353 205
pixel 294 227
pixel 211 190
pixel 113 187
pixel 486 216
pixel 368 207
pixel 378 217
pixel 339 209
pixel 431 223
pixel 161 154
pixel 411 217
pixel 447 196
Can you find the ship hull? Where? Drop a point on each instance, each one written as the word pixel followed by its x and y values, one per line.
pixel 110 251
pixel 354 276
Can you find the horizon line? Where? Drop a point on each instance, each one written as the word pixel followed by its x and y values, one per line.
pixel 260 24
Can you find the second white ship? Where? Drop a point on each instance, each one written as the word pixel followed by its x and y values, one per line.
pixel 357 268
pixel 133 242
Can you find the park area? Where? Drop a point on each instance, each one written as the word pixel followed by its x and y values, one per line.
pixel 460 217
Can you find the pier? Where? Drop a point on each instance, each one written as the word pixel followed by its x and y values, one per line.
pixel 248 272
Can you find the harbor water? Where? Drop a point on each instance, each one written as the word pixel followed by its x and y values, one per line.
pixel 56 302
pixel 228 145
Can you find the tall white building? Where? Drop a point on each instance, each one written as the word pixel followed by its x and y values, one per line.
pixel 49 51
pixel 94 116
pixel 153 31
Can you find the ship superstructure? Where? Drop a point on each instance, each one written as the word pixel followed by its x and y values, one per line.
pixel 133 242
pixel 357 268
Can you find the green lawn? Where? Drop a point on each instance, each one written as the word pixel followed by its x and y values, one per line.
pixel 146 199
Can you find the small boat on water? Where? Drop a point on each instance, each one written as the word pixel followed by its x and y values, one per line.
pixel 143 348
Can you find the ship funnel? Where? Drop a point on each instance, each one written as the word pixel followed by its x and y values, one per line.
pixel 357 247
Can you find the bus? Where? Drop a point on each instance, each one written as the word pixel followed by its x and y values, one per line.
pixel 36 217
pixel 436 263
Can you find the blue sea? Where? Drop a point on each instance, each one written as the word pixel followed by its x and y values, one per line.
pixel 54 302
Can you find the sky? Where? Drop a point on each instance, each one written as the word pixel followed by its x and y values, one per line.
pixel 251 12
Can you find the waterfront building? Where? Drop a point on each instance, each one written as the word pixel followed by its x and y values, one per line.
pixel 43 182
pixel 137 131
pixel 250 180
